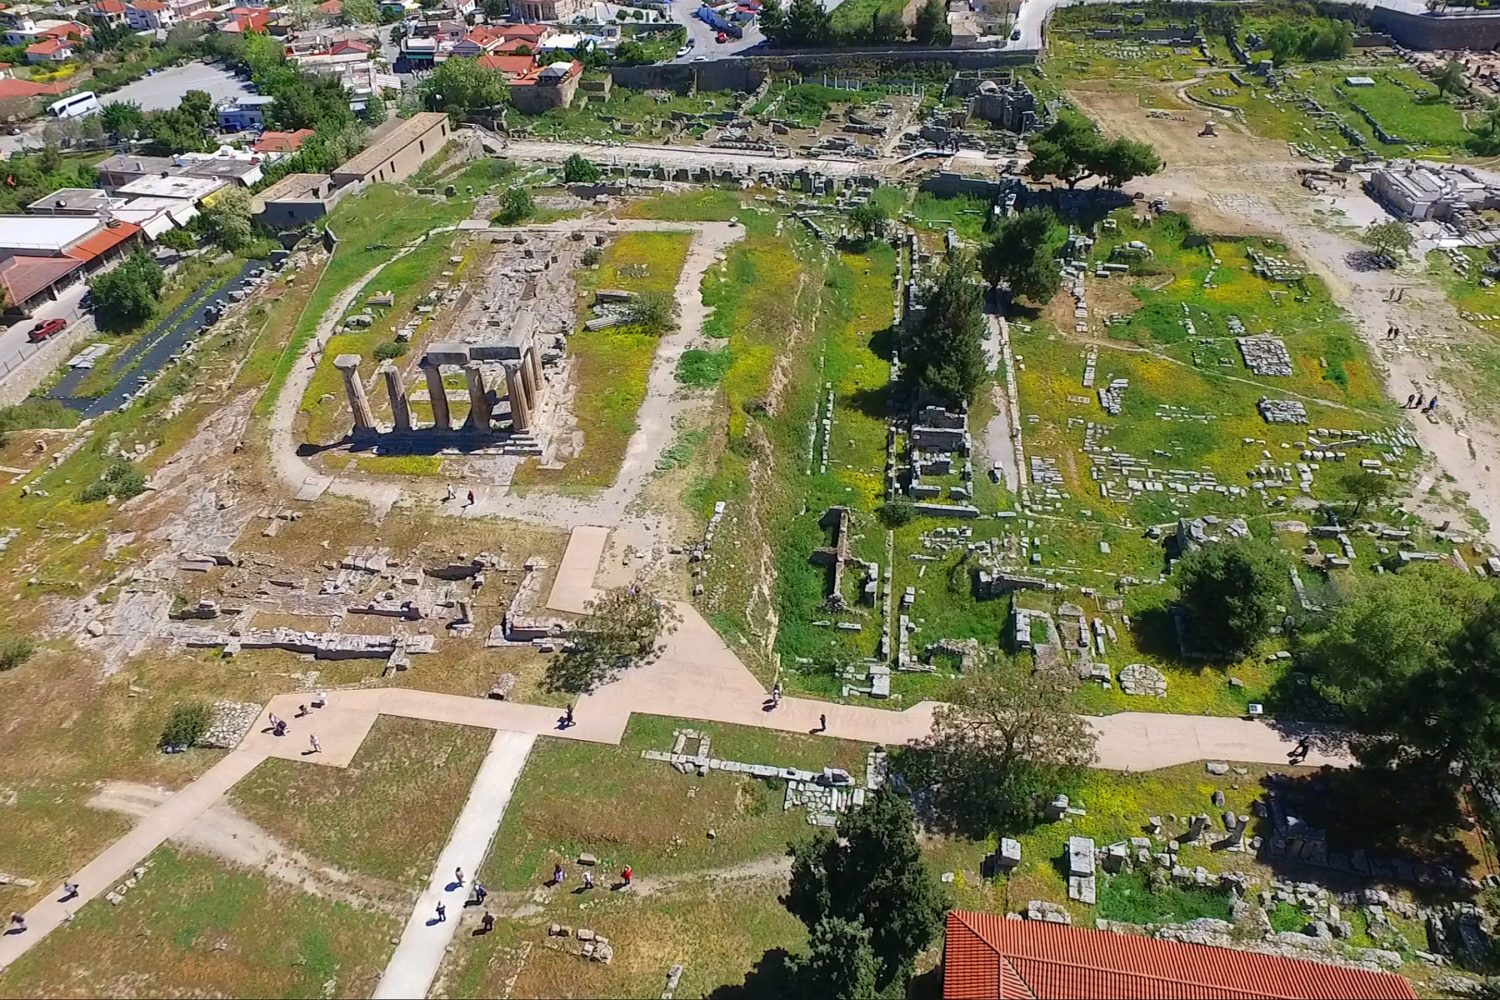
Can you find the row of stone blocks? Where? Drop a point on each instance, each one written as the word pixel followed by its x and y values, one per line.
pixel 523 385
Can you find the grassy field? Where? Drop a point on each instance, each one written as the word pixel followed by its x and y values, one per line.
pixel 610 366
pixel 387 814
pixel 194 927
pixel 625 112
pixel 608 801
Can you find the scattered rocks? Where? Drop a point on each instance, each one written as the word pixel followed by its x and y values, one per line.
pixel 1143 679
pixel 229 724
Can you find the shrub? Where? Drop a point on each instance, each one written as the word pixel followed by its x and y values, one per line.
pixel 185 726
pixel 702 368
pixel 391 349
pixel 592 256
pixel 515 206
pixel 897 513
pixel 36 412
pixel 14 651
pixel 122 480
pixel 178 239
pixel 653 312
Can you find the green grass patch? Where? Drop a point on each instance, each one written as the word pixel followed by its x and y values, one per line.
pixel 387 814
pixel 703 368
pixel 1130 898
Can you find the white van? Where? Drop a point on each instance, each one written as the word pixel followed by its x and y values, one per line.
pixel 76 106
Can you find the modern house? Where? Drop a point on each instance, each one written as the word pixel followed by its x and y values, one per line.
pixel 282 142
pixel 41 255
pixel 245 113
pixel 149 15
pixel 51 50
pixel 988 956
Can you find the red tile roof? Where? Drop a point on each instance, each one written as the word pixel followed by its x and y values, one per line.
pixel 333 8
pixel 103 241
pixel 109 6
pixel 349 45
pixel 25 277
pixel 511 66
pixel 72 29
pixel 50 47
pixel 282 142
pixel 991 957
pixel 25 88
pixel 148 5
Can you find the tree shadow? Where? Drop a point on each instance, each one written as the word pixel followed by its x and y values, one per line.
pixel 870 401
pixel 885 343
pixel 770 979
pixel 1155 633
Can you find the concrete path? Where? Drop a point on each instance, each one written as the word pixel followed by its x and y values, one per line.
pixel 114 865
pixel 417 958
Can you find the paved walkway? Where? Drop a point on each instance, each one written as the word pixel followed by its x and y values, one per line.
pixel 114 865
pixel 415 963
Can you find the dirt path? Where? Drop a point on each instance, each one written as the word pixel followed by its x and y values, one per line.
pixel 665 403
pixel 223 832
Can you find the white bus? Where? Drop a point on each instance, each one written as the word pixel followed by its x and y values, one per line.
pixel 76 106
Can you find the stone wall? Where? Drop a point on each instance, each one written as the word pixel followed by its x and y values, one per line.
pixel 1438 31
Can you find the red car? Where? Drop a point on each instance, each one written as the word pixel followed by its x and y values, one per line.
pixel 46 328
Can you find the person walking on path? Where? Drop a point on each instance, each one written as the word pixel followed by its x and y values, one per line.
pixel 776 695
pixel 316 746
pixel 625 875
pixel 558 875
pixel 70 890
pixel 442 912
pixel 17 924
pixel 567 719
pixel 487 923
pixel 320 700
pixel 822 723
pixel 479 893
pixel 277 726
pixel 458 876
pixel 1411 399
pixel 471 499
pixel 588 880
pixel 452 493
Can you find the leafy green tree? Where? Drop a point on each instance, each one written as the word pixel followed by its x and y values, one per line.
pixel 1005 740
pixel 1309 39
pixel 804 24
pixel 1122 160
pixel 944 352
pixel 174 131
pixel 360 12
pixel 198 106
pixel 1411 659
pixel 871 872
pixel 773 20
pixel 1391 239
pixel 226 220
pixel 375 109
pixel 1064 149
pixel 840 962
pixel 931 26
pixel 620 630
pixel 1019 255
pixel 126 294
pixel 1364 486
pixel 886 27
pixel 515 206
pixel 123 118
pixel 496 10
pixel 459 86
pixel 1450 79
pixel 178 239
pixel 1231 591
pixel 871 220
pixel 577 170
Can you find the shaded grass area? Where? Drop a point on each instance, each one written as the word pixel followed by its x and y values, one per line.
pixel 194 927
pixel 387 814
pixel 611 366
pixel 1128 897
pixel 579 797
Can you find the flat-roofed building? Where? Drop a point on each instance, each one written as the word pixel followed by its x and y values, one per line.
pixel 75 201
pixel 198 190
pixel 294 201
pixel 42 254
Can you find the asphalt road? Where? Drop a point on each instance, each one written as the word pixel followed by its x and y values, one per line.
pixel 148 355
pixel 702 36
pixel 14 347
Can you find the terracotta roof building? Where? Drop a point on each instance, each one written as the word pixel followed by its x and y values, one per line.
pixel 282 142
pixel 988 956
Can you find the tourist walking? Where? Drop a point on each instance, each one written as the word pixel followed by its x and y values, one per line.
pixel 458 876
pixel 588 880
pixel 320 700
pixel 471 499
pixel 442 912
pixel 776 695
pixel 17 923
pixel 558 875
pixel 479 893
pixel 451 493
pixel 487 922
pixel 625 875
pixel 316 746
pixel 70 890
pixel 822 723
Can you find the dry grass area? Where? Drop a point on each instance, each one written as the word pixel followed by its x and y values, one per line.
pixel 196 927
pixel 387 814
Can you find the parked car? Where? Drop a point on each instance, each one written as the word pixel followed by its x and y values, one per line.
pixel 684 50
pixel 46 328
pixel 1015 36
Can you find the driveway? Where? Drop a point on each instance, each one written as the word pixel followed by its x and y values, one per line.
pixel 15 348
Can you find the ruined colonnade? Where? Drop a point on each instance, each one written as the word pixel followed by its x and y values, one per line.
pixel 523 383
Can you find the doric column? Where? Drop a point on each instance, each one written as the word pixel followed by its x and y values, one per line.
pixel 515 391
pixel 348 364
pixel 440 419
pixel 527 383
pixel 479 399
pixel 400 408
pixel 534 363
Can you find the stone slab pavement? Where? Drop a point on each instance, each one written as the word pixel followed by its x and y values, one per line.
pixel 573 587
pixel 414 964
pixel 114 864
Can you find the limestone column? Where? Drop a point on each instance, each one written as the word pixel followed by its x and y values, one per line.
pixel 534 364
pixel 400 408
pixel 348 364
pixel 440 419
pixel 515 391
pixel 479 398
pixel 527 383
